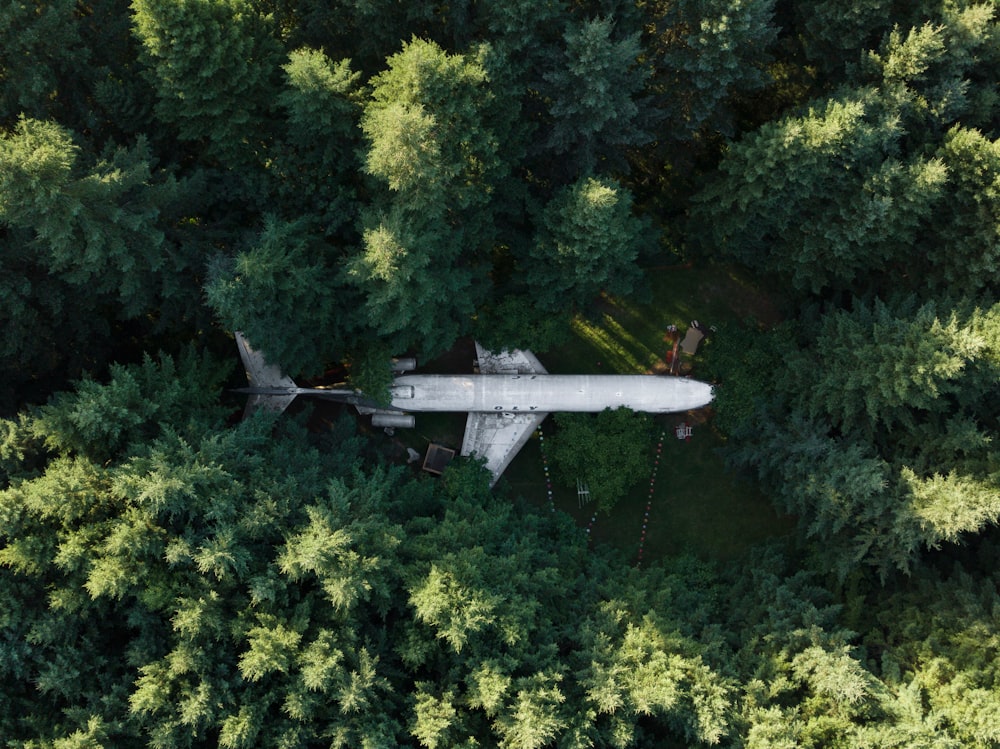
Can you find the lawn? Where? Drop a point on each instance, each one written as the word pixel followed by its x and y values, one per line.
pixel 626 337
pixel 695 506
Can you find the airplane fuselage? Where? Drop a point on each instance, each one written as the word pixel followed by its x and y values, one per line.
pixel 505 403
pixel 545 393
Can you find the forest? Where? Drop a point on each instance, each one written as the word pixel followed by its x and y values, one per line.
pixel 348 180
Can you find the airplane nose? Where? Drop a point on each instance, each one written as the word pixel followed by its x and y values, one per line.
pixel 705 394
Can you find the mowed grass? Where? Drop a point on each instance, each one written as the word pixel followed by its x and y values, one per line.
pixel 626 337
pixel 696 505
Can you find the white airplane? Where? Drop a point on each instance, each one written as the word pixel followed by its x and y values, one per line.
pixel 506 400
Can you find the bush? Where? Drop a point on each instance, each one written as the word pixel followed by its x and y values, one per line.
pixel 609 451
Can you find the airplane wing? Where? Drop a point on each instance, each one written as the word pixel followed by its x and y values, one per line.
pixel 263 375
pixel 508 362
pixel 498 437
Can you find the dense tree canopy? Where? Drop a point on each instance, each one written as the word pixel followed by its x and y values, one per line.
pixel 346 181
pixel 889 182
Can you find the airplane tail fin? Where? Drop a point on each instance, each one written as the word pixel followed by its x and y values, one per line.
pixel 262 375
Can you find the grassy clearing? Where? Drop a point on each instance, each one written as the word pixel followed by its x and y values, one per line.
pixel 626 337
pixel 696 505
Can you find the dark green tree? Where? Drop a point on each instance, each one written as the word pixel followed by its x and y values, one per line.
pixel 592 96
pixel 97 225
pixel 963 252
pixel 881 436
pixel 41 48
pixel 588 242
pixel 88 242
pixel 610 452
pixel 281 293
pixel 371 372
pixel 705 54
pixel 214 66
pixel 821 199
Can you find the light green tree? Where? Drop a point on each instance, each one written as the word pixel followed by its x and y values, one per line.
pixel 588 242
pixel 314 163
pixel 425 244
pixel 869 188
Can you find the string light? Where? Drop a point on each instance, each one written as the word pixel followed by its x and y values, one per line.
pixel 649 501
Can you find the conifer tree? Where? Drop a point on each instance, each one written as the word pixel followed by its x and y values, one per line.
pixel 592 96
pixel 40 49
pixel 588 242
pixel 88 242
pixel 879 152
pixel 280 292
pixel 705 54
pixel 214 66
pixel 314 163
pixel 425 243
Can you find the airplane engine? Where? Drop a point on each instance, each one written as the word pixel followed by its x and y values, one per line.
pixel 406 364
pixel 395 420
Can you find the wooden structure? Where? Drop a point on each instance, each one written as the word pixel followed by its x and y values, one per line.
pixel 437 459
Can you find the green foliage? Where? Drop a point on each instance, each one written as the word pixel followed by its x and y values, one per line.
pixel 314 164
pixel 94 226
pixel 882 366
pixel 168 581
pixel 877 436
pixel 867 189
pixel 99 420
pixel 279 293
pixel 371 373
pixel 964 255
pixel 413 298
pixel 940 657
pixel 213 65
pixel 704 54
pixel 430 143
pixel 517 322
pixel 838 33
pixel 740 360
pixel 592 93
pixel 39 45
pixel 431 146
pixel 86 242
pixel 772 206
pixel 588 243
pixel 609 451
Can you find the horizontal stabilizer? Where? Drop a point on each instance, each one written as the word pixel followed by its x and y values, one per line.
pixel 266 377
